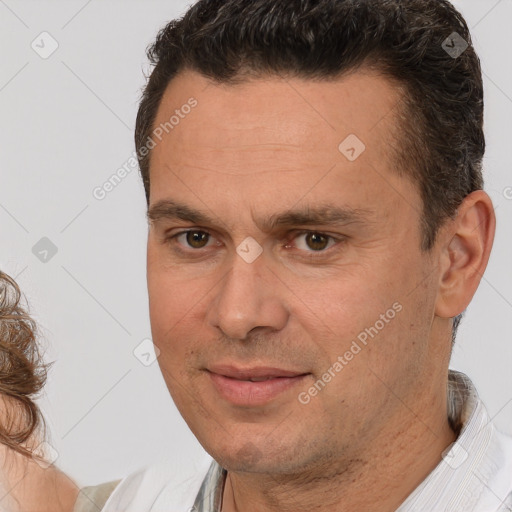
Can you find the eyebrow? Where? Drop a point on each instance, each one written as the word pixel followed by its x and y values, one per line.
pixel 325 214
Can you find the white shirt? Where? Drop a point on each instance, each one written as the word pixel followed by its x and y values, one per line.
pixel 475 474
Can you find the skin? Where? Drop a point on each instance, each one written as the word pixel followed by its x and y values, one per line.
pixel 26 486
pixel 253 150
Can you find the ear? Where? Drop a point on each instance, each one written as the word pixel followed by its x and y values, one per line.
pixel 466 246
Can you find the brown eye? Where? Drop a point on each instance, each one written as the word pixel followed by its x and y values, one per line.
pixel 197 239
pixel 316 241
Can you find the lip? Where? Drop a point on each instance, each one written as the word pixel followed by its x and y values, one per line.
pixel 233 383
pixel 240 373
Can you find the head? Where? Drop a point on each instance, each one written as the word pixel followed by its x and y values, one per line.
pixel 22 372
pixel 325 158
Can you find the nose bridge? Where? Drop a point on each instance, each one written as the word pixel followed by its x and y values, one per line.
pixel 247 298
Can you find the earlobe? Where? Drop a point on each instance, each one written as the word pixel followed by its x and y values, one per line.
pixel 464 257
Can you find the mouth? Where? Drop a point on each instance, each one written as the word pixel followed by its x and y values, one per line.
pixel 253 386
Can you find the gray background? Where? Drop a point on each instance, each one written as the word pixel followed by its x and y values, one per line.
pixel 66 126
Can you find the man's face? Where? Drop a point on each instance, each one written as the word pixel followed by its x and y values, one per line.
pixel 297 293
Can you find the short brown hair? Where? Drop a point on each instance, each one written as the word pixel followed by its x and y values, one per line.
pixel 22 373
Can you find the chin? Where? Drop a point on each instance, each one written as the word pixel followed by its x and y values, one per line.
pixel 256 457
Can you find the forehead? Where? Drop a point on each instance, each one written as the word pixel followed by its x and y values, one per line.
pixel 273 140
pixel 272 120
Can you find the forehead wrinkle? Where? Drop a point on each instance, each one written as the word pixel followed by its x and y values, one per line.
pixel 245 160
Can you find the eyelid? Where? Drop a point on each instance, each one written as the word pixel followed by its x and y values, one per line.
pixel 337 239
pixel 185 231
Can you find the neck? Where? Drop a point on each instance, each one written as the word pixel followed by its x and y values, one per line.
pixel 377 476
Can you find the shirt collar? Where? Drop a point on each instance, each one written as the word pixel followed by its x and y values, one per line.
pixel 209 497
pixel 458 481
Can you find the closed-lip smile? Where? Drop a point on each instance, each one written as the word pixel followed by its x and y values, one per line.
pixel 252 386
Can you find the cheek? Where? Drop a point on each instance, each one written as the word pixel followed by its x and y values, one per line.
pixel 352 299
pixel 175 308
pixel 363 315
pixel 167 306
pixel 169 294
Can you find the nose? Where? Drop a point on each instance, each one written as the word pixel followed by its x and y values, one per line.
pixel 248 297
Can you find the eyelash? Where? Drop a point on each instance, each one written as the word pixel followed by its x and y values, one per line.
pixel 311 254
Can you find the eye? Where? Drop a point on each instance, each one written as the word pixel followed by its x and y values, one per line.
pixel 193 238
pixel 313 241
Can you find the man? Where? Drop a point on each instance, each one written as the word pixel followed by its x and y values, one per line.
pixel 317 228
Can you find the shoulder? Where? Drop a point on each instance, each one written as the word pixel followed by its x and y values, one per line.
pixel 92 499
pixel 166 485
pixel 29 485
